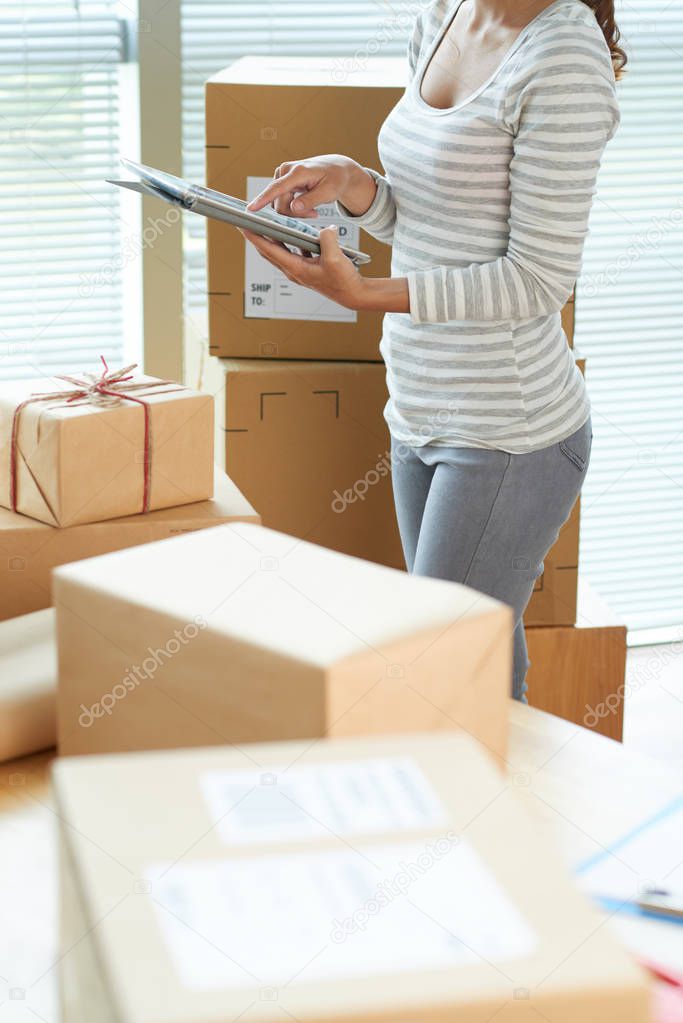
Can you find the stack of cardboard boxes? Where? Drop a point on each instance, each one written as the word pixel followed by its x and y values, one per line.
pixel 303 383
pixel 77 466
pixel 345 869
pixel 30 549
pixel 301 876
pixel 301 386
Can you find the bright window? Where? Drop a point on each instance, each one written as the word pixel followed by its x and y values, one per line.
pixel 630 327
pixel 61 236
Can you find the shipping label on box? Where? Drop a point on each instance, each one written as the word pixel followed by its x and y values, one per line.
pixel 269 294
pixel 229 920
pixel 348 798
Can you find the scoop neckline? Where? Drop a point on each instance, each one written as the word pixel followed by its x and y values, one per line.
pixel 418 78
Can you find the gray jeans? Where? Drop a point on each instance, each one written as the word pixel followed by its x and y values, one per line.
pixel 487 518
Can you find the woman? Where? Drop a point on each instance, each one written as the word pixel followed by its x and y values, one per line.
pixel 491 159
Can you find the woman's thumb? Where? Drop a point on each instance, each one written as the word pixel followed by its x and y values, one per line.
pixel 329 241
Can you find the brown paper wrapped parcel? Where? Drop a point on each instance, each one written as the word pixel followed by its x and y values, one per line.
pixel 90 448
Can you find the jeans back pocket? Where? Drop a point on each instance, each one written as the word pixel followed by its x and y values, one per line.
pixel 577 447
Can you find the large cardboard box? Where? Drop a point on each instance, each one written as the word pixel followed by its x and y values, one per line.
pixel 68 460
pixel 261 112
pixel 241 634
pixel 264 111
pixel 578 672
pixel 29 549
pixel 308 445
pixel 341 881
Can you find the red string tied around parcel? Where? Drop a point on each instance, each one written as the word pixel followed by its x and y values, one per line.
pixel 109 386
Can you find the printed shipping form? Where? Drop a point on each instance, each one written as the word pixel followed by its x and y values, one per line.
pixel 268 293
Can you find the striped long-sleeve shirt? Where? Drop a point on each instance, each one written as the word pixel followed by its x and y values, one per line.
pixel 486 205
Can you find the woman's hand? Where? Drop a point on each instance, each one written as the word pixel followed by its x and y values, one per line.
pixel 297 188
pixel 331 274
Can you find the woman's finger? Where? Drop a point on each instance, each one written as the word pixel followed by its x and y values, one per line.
pixel 298 179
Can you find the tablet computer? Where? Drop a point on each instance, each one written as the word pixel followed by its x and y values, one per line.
pixel 207 202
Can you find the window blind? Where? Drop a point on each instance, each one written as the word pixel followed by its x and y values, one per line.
pixel 629 325
pixel 60 235
pixel 629 304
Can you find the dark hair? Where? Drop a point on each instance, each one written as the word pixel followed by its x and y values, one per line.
pixel 604 13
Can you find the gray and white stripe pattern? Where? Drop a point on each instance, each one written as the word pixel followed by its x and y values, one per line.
pixel 486 206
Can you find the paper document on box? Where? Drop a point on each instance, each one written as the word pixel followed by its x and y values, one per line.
pixel 649 856
pixel 268 294
pixel 294 803
pixel 313 916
